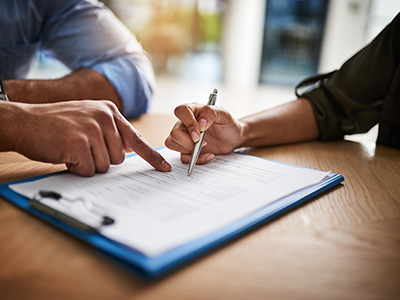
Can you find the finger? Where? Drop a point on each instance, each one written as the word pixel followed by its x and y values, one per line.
pixel 186 114
pixel 133 140
pixel 143 149
pixel 207 116
pixel 98 147
pixel 114 145
pixel 171 144
pixel 196 118
pixel 81 171
pixel 203 158
pixel 179 139
pixel 82 162
pixel 101 156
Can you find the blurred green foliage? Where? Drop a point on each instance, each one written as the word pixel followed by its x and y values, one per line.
pixel 211 28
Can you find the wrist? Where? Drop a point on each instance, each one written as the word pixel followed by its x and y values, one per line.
pixel 244 133
pixel 254 131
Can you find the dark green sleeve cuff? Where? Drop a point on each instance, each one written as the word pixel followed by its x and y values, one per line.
pixel 329 124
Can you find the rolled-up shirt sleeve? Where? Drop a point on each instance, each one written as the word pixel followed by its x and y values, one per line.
pixel 351 100
pixel 84 34
pixel 132 85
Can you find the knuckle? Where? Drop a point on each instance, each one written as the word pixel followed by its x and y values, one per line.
pixel 93 129
pixel 208 111
pixel 174 135
pixel 192 127
pixel 78 143
pixel 182 109
pixel 155 157
pixel 102 110
pixel 112 106
pixel 138 139
pixel 168 142
pixel 104 117
pixel 179 109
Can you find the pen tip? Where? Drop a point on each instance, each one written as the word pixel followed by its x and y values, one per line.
pixel 190 170
pixel 215 91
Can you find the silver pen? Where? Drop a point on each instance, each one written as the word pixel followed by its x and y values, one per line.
pixel 197 148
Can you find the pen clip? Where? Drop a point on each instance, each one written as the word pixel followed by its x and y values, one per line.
pixel 213 97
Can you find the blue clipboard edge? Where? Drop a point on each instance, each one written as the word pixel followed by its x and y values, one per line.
pixel 155 267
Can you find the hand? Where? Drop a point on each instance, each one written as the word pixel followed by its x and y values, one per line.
pixel 224 133
pixel 87 136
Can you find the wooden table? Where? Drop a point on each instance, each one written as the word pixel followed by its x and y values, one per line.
pixel 344 244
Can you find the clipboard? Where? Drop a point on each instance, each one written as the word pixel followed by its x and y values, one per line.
pixel 47 202
pixel 157 266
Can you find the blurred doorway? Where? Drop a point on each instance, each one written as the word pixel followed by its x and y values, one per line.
pixel 293 32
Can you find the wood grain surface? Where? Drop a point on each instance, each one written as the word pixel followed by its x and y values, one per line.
pixel 344 244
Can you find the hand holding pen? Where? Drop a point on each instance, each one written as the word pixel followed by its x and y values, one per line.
pixel 197 147
pixel 224 133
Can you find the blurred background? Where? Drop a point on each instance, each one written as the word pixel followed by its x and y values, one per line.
pixel 253 51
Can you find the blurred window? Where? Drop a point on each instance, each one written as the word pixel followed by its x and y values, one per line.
pixel 292 40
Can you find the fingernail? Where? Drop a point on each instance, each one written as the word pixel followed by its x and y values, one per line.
pixel 167 166
pixel 210 157
pixel 202 124
pixel 195 136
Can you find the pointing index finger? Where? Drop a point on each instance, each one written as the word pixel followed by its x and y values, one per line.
pixel 134 141
pixel 144 150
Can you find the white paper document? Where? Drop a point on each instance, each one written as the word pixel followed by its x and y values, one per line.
pixel 155 212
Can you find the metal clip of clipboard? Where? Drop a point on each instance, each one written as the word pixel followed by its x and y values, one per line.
pixel 89 220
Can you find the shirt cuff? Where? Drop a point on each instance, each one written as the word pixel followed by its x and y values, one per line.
pixel 132 86
pixel 329 125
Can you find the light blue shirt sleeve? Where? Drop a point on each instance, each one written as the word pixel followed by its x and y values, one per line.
pixel 86 34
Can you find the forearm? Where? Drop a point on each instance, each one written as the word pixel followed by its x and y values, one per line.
pixel 289 123
pixel 11 115
pixel 80 85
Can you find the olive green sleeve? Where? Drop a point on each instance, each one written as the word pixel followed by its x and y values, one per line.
pixel 351 100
